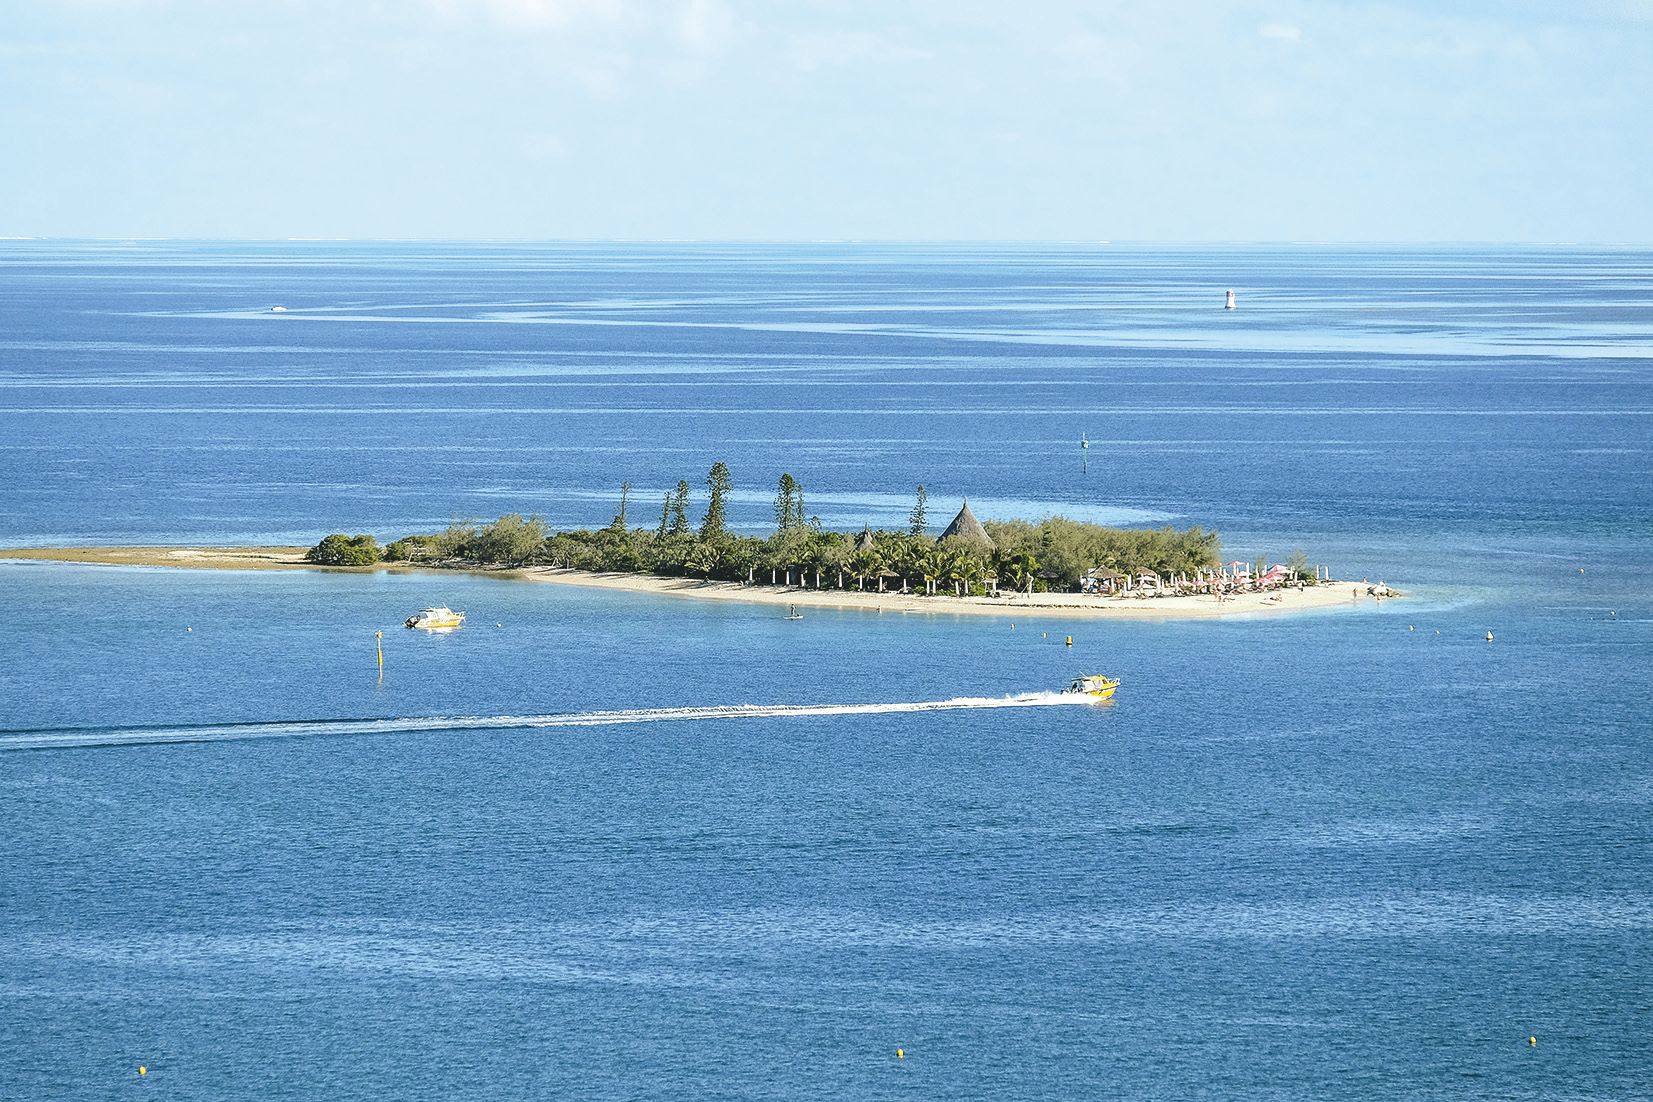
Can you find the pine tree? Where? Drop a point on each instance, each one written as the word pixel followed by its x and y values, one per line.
pixel 919 519
pixel 680 509
pixel 619 521
pixel 789 504
pixel 665 517
pixel 717 482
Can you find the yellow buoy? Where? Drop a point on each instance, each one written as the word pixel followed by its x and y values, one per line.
pixel 379 642
pixel 1070 640
pixel 142 1071
pixel 900 1054
pixel 1532 1042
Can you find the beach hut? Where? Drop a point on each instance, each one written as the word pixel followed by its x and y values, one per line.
pixel 967 529
pixel 1101 579
pixel 864 541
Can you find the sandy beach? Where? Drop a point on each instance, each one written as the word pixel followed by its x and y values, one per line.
pixel 192 558
pixel 1332 595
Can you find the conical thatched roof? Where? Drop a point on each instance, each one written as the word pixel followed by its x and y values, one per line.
pixel 865 542
pixel 966 527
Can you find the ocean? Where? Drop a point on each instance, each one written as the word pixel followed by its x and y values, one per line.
pixel 1345 855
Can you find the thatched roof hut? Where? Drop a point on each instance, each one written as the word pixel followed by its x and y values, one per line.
pixel 967 528
pixel 865 542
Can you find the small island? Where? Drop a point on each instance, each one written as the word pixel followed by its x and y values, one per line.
pixel 1055 565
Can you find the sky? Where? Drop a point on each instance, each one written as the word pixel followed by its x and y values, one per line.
pixel 793 120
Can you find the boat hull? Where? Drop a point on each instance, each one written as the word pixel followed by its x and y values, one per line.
pixel 435 619
pixel 1094 687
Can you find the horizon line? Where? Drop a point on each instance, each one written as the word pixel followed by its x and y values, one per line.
pixel 823 241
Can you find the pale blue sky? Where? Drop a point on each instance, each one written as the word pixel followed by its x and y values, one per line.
pixel 733 119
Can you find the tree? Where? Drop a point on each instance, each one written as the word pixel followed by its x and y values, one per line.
pixel 412 549
pixel 740 556
pixel 619 521
pixel 919 519
pixel 789 504
pixel 864 564
pixel 718 485
pixel 510 540
pixel 931 562
pixel 680 509
pixel 1017 567
pixel 907 557
pixel 454 542
pixel 963 565
pixel 665 517
pixel 342 550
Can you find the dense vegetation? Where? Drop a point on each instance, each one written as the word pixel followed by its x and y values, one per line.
pixel 342 550
pixel 1049 554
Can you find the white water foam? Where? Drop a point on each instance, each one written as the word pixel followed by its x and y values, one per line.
pixel 82 737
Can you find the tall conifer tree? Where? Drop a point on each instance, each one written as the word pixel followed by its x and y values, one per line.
pixel 680 509
pixel 718 484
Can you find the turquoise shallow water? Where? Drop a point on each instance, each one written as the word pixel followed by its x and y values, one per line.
pixel 1317 857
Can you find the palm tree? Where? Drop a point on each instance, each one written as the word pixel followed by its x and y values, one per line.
pixel 1018 568
pixel 962 567
pixel 907 559
pixel 828 552
pixel 865 563
pixel 932 563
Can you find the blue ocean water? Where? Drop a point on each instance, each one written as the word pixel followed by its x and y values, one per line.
pixel 1329 856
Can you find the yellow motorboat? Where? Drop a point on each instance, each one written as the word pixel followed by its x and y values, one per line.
pixel 442 617
pixel 1094 686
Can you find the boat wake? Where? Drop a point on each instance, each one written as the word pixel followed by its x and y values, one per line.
pixel 63 738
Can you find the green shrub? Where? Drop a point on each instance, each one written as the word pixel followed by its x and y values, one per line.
pixel 510 540
pixel 412 549
pixel 342 550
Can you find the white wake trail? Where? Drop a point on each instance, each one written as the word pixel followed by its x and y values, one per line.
pixel 73 737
